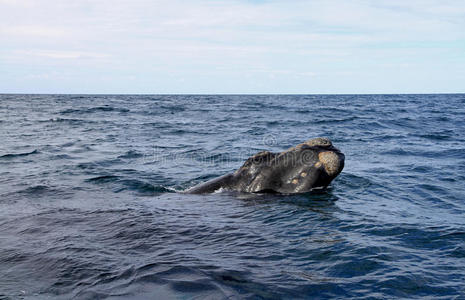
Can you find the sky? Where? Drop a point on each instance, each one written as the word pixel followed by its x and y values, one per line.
pixel 232 47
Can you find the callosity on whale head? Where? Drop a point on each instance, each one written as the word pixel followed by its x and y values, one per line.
pixel 312 164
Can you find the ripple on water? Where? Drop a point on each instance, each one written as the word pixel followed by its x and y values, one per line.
pixel 14 155
pixel 88 208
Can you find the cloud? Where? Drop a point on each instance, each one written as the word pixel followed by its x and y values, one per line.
pixel 220 41
pixel 30 30
pixel 61 54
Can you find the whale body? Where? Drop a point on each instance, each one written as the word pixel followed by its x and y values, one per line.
pixel 312 164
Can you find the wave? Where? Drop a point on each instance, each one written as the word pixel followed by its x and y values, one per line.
pixel 131 154
pixel 448 153
pixel 71 121
pixel 13 155
pixel 331 121
pixel 120 183
pixel 103 179
pixel 37 189
pixel 42 190
pixel 94 110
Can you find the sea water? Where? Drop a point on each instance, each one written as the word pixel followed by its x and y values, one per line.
pixel 90 204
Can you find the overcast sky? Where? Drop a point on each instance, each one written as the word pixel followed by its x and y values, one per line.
pixel 222 46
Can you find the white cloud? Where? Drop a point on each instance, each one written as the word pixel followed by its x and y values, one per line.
pixel 228 38
pixel 31 31
pixel 61 54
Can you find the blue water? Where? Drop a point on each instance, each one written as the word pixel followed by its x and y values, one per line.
pixel 89 205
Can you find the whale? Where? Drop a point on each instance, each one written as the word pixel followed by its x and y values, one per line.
pixel 310 165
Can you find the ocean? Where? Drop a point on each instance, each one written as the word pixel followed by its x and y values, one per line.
pixel 90 205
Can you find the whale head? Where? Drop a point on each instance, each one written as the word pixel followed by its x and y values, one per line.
pixel 312 164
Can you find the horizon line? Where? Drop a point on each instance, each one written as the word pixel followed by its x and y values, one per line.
pixel 231 94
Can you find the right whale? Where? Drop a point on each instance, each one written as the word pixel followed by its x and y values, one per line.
pixel 312 164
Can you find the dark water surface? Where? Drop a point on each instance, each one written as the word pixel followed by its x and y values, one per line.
pixel 89 209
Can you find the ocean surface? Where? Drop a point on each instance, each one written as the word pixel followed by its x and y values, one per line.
pixel 90 205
